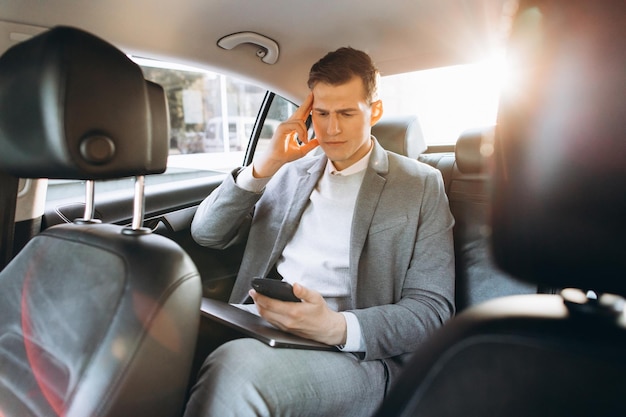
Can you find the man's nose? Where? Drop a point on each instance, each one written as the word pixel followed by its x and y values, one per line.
pixel 333 125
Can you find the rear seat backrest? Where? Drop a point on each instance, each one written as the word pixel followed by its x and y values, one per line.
pixel 477 277
pixel 466 182
pixel 444 162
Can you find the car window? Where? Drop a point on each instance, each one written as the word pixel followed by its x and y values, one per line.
pixel 279 109
pixel 447 100
pixel 212 116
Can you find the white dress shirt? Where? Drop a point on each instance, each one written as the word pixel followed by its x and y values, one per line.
pixel 317 256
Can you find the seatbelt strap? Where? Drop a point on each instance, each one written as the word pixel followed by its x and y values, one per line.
pixel 8 201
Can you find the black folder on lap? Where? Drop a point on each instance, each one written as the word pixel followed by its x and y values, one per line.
pixel 254 326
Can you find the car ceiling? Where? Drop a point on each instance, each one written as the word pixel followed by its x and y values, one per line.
pixel 400 35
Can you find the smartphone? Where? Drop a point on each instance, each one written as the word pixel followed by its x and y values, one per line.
pixel 274 288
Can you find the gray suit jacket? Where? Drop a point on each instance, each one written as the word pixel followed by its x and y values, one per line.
pixel 401 250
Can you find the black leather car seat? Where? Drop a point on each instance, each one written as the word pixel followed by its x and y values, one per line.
pixel 95 319
pixel 478 278
pixel 557 218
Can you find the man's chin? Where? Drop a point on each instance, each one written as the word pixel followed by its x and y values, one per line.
pixel 333 155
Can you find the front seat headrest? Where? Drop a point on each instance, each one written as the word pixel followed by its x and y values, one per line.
pixel 559 212
pixel 76 107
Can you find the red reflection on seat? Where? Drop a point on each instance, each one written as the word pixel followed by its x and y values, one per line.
pixel 45 373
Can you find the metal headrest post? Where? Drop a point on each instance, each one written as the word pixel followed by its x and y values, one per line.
pixel 65 75
pixel 136 227
pixel 90 209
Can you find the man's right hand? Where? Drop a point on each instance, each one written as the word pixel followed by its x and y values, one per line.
pixel 284 146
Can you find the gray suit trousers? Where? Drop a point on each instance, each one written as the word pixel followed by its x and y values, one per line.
pixel 244 378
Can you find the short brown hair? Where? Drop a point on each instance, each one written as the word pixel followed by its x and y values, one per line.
pixel 340 66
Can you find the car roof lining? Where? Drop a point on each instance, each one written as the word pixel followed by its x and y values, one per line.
pixel 401 36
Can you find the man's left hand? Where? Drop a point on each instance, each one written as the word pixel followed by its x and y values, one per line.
pixel 312 318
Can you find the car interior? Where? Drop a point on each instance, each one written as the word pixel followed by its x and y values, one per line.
pixel 137 301
pixel 100 177
pixel 543 354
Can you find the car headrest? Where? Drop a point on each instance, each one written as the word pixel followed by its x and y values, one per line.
pixel 74 106
pixel 468 153
pixel 559 191
pixel 400 134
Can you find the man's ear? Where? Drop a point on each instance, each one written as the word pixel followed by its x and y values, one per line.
pixel 377 112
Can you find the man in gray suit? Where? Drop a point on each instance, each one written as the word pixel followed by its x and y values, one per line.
pixel 364 236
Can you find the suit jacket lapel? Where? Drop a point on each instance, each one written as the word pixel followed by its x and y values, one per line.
pixel 367 201
pixel 306 184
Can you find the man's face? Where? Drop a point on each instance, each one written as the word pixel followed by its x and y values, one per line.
pixel 342 120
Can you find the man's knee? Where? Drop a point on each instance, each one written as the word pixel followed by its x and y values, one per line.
pixel 245 366
pixel 231 371
pixel 232 359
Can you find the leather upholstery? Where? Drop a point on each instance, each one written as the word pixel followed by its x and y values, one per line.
pixel 400 134
pixel 469 157
pixel 93 321
pixel 96 323
pixel 558 219
pixel 464 173
pixel 65 116
pixel 466 178
pixel 516 356
pixel 478 278
pixel 558 214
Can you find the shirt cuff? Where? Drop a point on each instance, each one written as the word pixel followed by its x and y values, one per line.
pixel 246 180
pixel 354 338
